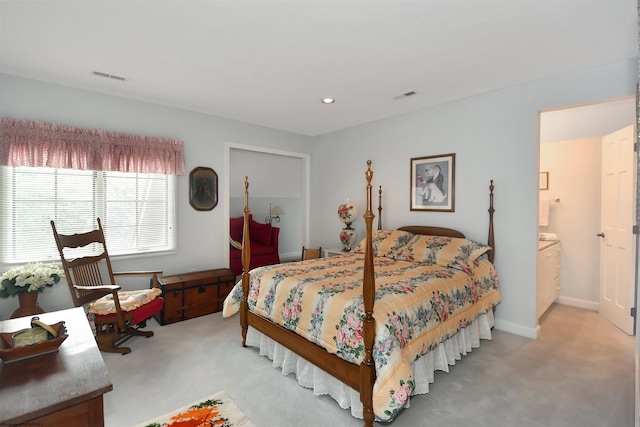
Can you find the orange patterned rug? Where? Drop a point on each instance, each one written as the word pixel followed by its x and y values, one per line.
pixel 217 410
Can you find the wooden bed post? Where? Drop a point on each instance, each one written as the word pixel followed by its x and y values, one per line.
pixel 490 239
pixel 246 261
pixel 380 208
pixel 359 377
pixel 367 368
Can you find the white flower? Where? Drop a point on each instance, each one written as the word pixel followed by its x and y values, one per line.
pixel 32 277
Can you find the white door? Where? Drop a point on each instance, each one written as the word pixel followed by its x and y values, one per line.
pixel 617 248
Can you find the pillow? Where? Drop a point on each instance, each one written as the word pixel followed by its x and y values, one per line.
pixel 385 242
pixel 129 300
pixel 452 252
pixel 260 233
pixel 235 227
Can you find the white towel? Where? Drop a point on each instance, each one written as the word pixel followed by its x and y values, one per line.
pixel 543 215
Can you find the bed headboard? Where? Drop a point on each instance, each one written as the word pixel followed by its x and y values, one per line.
pixel 449 232
pixel 432 231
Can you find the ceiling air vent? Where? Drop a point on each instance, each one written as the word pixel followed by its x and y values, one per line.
pixel 108 76
pixel 405 95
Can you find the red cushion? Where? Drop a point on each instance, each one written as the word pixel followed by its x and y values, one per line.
pixel 235 227
pixel 258 249
pixel 141 313
pixel 260 233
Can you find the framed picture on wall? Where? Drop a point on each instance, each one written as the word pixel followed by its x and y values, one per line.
pixel 433 183
pixel 203 189
pixel 543 181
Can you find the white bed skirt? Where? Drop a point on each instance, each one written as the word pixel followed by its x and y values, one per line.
pixel 310 376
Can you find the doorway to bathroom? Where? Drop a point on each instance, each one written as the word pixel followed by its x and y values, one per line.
pixel 571 159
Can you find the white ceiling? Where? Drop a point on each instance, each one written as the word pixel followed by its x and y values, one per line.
pixel 270 62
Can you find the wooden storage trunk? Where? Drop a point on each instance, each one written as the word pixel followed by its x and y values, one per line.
pixel 194 294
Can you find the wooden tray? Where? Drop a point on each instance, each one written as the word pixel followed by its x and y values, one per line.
pixel 11 354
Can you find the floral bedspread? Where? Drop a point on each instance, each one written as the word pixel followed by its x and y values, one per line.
pixel 417 306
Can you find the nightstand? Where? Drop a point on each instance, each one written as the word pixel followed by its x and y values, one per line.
pixel 334 252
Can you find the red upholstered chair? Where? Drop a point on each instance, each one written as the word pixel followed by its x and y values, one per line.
pixel 264 244
pixel 119 315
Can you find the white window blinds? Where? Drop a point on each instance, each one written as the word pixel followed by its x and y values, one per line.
pixel 137 210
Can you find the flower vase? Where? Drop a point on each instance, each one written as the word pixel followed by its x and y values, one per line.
pixel 28 305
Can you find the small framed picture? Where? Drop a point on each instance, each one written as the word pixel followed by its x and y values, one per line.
pixel 433 183
pixel 203 189
pixel 543 181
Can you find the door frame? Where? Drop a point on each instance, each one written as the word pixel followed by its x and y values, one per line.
pixel 619 113
pixel 306 173
pixel 637 240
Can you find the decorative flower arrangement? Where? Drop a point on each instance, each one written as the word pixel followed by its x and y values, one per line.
pixel 31 277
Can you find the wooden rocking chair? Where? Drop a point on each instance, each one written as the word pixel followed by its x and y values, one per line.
pixel 119 315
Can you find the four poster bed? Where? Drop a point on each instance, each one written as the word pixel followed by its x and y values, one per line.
pixel 434 293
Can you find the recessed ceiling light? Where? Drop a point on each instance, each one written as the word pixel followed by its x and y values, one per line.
pixel 328 100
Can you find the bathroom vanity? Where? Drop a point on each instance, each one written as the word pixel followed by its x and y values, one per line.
pixel 548 275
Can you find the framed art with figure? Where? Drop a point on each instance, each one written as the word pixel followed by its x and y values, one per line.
pixel 433 183
pixel 203 189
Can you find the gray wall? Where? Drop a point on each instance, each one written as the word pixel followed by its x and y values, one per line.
pixel 202 236
pixel 494 136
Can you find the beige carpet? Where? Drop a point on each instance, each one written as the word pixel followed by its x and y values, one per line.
pixel 578 373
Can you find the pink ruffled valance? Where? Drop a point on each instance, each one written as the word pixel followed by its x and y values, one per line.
pixel 32 143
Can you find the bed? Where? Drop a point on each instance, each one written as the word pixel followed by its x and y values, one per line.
pixel 372 319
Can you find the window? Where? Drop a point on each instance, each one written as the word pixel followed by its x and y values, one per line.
pixel 137 210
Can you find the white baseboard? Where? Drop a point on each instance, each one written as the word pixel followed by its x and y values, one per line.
pixel 580 303
pixel 515 329
pixel 290 256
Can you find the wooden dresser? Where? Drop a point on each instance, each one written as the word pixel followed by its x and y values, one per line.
pixel 57 389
